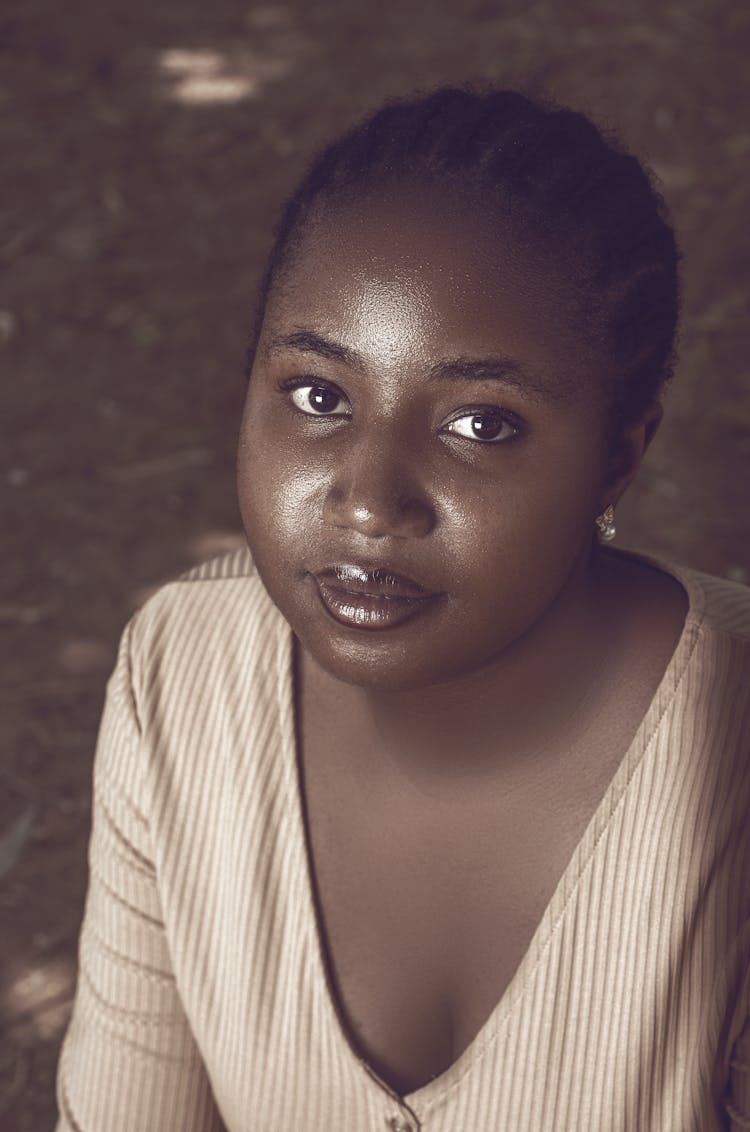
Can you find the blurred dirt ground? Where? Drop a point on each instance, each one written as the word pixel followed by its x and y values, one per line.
pixel 145 148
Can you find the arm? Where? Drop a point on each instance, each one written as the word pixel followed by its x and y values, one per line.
pixel 129 1061
pixel 737 1096
pixel 738 1104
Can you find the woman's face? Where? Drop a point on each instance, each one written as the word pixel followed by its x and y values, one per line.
pixel 422 453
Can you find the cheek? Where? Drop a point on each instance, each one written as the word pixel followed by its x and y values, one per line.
pixel 276 490
pixel 544 492
pixel 515 543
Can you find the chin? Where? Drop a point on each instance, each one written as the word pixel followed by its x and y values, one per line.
pixel 392 662
pixel 374 673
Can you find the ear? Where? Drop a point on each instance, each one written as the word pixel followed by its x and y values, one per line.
pixel 628 451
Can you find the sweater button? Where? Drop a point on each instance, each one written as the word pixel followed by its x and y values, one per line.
pixel 398 1124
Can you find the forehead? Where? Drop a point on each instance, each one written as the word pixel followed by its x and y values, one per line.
pixel 427 273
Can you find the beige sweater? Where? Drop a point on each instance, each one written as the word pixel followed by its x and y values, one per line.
pixel 202 998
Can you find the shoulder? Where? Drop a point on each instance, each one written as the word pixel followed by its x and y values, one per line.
pixel 703 700
pixel 715 693
pixel 225 567
pixel 715 605
pixel 722 605
pixel 213 626
pixel 719 617
pixel 210 598
pixel 718 624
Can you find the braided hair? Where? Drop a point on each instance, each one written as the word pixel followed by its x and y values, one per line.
pixel 591 200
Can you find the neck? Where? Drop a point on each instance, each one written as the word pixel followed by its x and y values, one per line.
pixel 513 707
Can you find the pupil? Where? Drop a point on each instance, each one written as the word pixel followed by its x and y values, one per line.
pixel 486 427
pixel 321 399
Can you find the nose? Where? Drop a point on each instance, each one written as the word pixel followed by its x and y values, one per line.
pixel 376 491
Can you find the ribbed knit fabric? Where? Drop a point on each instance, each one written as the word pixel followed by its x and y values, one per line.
pixel 202 999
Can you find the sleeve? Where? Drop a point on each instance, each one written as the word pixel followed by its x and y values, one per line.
pixel 737 1096
pixel 129 1062
pixel 738 1102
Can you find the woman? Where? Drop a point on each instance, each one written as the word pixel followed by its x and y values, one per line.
pixel 430 810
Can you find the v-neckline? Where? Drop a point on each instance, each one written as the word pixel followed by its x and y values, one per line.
pixel 554 913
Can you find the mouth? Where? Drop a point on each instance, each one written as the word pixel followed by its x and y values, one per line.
pixel 365 598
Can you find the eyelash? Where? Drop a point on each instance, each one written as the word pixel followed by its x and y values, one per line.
pixel 309 382
pixel 505 416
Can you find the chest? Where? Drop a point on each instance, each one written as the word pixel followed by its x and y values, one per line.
pixel 426 908
pixel 423 932
pixel 427 904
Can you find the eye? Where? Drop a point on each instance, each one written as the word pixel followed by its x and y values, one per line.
pixel 488 426
pixel 318 398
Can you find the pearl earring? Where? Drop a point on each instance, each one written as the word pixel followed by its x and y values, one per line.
pixel 606 524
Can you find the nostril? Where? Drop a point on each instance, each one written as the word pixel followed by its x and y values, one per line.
pixel 378 501
pixel 398 519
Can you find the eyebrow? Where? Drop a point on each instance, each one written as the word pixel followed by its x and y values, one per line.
pixel 309 342
pixel 504 370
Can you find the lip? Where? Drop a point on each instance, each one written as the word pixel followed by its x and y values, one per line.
pixel 371 597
